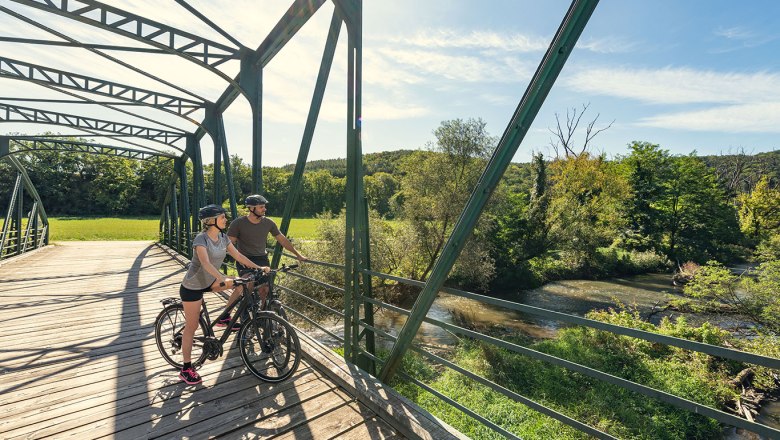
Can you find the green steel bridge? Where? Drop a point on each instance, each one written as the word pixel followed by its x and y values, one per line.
pixel 26 226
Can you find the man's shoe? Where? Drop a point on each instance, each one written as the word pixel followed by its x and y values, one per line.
pixel 225 321
pixel 190 376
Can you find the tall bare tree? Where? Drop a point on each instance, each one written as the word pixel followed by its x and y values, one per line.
pixel 564 135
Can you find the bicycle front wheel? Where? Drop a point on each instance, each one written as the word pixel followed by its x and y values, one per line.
pixel 168 329
pixel 269 347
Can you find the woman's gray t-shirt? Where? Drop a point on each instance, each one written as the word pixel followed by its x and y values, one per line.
pixel 197 278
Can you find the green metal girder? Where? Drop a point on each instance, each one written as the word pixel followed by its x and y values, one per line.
pixel 15 69
pixel 292 21
pixel 351 13
pixel 24 144
pixel 563 43
pixel 251 79
pixel 296 183
pixel 156 34
pixel 15 113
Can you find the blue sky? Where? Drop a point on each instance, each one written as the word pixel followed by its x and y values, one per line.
pixel 688 75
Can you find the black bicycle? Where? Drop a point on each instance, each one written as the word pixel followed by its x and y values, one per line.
pixel 268 344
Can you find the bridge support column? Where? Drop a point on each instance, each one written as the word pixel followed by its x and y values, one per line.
pixel 351 12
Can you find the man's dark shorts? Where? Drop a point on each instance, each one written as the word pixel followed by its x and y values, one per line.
pixel 260 260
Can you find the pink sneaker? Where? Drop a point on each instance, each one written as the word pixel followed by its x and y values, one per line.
pixel 190 376
pixel 225 321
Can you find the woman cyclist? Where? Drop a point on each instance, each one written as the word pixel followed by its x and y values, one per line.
pixel 210 247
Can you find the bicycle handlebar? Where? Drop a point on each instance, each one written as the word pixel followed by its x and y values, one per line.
pixel 257 274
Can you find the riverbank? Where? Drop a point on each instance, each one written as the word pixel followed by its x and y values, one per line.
pixel 708 382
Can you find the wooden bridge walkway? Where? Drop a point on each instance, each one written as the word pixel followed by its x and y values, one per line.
pixel 78 359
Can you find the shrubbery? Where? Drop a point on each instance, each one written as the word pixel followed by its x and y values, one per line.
pixel 694 376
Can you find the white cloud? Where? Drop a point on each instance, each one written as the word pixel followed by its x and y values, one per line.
pixel 746 118
pixel 607 45
pixel 678 85
pixel 458 67
pixel 449 38
pixel 735 33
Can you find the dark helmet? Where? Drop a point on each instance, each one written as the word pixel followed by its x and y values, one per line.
pixel 210 211
pixel 254 200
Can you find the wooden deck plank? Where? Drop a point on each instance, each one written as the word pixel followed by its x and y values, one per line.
pixel 78 359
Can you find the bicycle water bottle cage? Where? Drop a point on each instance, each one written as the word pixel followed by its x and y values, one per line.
pixel 168 301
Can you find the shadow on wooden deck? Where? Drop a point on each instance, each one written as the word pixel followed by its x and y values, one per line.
pixel 78 358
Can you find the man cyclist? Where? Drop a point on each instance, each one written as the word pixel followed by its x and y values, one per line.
pixel 250 235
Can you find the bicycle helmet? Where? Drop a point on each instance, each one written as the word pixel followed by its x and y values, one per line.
pixel 254 200
pixel 210 211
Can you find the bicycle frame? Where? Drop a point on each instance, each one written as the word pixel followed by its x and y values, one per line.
pixel 248 298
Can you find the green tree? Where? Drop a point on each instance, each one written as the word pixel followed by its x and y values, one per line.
pixel 435 186
pixel 647 169
pixel 520 230
pixel 587 205
pixel 759 210
pixel 754 297
pixel 699 220
pixel 380 189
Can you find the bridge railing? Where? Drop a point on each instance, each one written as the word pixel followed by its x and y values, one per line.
pixel 25 226
pixel 298 303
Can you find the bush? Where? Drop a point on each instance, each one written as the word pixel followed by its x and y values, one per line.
pixel 694 376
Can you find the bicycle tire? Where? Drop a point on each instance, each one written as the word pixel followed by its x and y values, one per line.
pixel 167 333
pixel 269 347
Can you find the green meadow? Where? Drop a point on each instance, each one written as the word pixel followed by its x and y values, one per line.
pixel 134 228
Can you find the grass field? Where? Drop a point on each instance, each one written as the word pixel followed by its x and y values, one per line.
pixel 113 228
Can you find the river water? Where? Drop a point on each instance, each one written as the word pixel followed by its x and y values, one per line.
pixel 577 297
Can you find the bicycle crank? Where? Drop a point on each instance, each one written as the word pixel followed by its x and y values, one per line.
pixel 212 348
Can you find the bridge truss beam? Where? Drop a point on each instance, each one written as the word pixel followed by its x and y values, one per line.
pixel 15 113
pixel 11 68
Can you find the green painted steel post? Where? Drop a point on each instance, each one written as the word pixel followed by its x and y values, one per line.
pixel 168 234
pixel 351 11
pixel 251 80
pixel 351 267
pixel 217 171
pixel 365 362
pixel 564 41
pixel 19 216
pixel 35 225
pixel 296 182
pixel 198 186
pixel 228 170
pixel 175 218
pixel 5 146
pixel 185 206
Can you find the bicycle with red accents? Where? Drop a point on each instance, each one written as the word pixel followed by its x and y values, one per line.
pixel 268 344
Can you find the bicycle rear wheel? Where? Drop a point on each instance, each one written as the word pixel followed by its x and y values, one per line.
pixel 269 347
pixel 168 329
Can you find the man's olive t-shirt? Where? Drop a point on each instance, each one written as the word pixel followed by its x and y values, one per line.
pixel 252 238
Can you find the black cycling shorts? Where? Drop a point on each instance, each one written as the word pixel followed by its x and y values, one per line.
pixel 192 295
pixel 260 260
